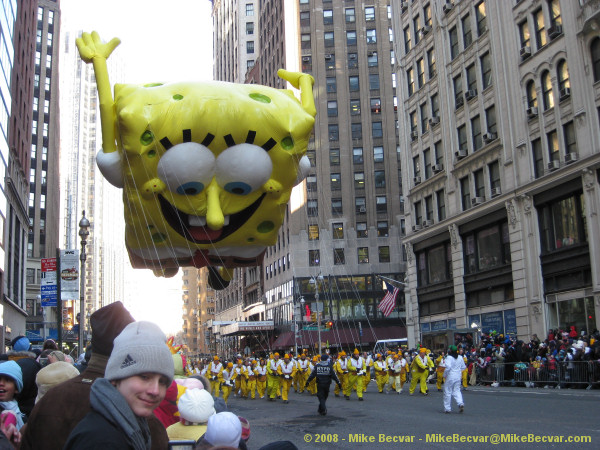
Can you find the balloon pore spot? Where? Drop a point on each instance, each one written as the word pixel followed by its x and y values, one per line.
pixel 147 137
pixel 260 97
pixel 250 239
pixel 153 84
pixel 287 143
pixel 158 237
pixel 177 97
pixel 265 227
pixel 151 153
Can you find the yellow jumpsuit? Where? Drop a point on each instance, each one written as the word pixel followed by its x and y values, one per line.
pixel 440 367
pixel 355 381
pixel 240 380
pixel 273 377
pixel 228 377
pixel 341 369
pixel 395 370
pixel 286 372
pixel 368 365
pixel 296 380
pixel 214 375
pixel 261 381
pixel 302 373
pixel 403 373
pixel 251 382
pixel 420 371
pixel 465 373
pixel 312 386
pixel 381 374
pixel 390 362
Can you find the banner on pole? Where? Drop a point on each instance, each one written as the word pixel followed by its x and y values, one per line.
pixel 48 282
pixel 69 274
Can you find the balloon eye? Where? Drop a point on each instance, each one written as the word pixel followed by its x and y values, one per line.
pixel 238 188
pixel 191 188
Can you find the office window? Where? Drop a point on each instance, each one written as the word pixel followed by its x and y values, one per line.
pixel 420 72
pixel 427 15
pixel 327 17
pixel 441 204
pixel 304 18
pixel 376 105
pixel 352 61
pixel 354 107
pixel 541 38
pixel 465 193
pixel 570 138
pixel 417 166
pixel 356 129
pixel 392 57
pixel 547 95
pixel 361 230
pixel 336 181
pixel 418 213
pixel 424 118
pixel 372 59
pixel 363 255
pixel 494 171
pixel 353 83
pixel 391 35
pixel 249 46
pixel 486 70
pixel 461 132
pixel 481 18
pixel 476 133
pixel 431 63
pixel 306 63
pixel 453 37
pixel 417 28
pixel 350 15
pixel 377 154
pixel 328 39
pixel 380 178
pixel 471 78
pixel 407 40
pixel 334 157
pixel 313 232
pixel 249 28
pixel 311 183
pixel 410 79
pixel 384 254
pixel 351 37
pixel 312 208
pixel 427 163
pixel 334 132
pixel 331 84
pixel 376 129
pixel 250 64
pixel 595 56
pixel 314 258
pixel 369 13
pixel 360 205
pixel 429 207
pixel 538 158
pixel 563 76
pixel 381 204
pixel 490 120
pixel 332 109
pixel 371 36
pixel 466 29
pixel 357 155
pixel 457 83
pixel 553 150
pixel 338 256
pixel 524 34
pixel 337 230
pixel 336 207
pixel 478 181
pixel 531 94
pixel 382 228
pixel 359 180
pixel 435 105
pixel 413 122
pixel 249 9
pixel 312 157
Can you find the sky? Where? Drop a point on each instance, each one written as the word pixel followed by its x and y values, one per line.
pixel 161 40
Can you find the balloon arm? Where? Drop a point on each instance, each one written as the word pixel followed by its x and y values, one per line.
pixel 93 50
pixel 304 82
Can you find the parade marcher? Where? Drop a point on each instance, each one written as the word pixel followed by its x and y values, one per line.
pixel 324 374
pixel 286 371
pixel 261 381
pixel 138 372
pixel 453 374
pixel 241 379
pixel 213 373
pixel 381 373
pixel 419 372
pixel 228 377
pixel 312 385
pixel 273 377
pixel 368 365
pixel 341 369
pixel 296 379
pixel 465 372
pixel 356 371
pixel 440 366
pixel 396 370
pixel 302 372
pixel 251 373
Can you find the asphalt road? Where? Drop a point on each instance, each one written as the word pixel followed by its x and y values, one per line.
pixel 501 417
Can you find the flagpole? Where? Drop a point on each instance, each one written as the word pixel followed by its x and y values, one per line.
pixel 392 281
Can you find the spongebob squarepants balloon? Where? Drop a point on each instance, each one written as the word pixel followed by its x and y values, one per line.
pixel 206 168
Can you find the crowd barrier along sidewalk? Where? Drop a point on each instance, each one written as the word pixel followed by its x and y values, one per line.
pixel 555 374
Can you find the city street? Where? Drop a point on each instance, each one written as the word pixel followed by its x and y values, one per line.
pixel 503 416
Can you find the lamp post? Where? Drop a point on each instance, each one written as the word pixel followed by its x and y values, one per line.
pixel 296 324
pixel 84 225
pixel 315 282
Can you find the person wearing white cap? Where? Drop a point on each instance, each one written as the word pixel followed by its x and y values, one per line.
pixel 195 406
pixel 223 430
pixel 138 373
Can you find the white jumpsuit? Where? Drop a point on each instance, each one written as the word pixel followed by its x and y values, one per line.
pixel 452 374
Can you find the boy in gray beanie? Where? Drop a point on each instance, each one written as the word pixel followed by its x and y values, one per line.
pixel 138 373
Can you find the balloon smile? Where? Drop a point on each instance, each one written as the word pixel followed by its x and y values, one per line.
pixel 194 229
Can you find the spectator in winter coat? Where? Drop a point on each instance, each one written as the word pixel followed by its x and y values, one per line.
pixel 138 373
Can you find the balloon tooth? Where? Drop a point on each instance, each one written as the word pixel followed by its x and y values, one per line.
pixel 197 221
pixel 226 221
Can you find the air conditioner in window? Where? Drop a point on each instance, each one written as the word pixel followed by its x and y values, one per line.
pixel 447 7
pixel 477 201
pixel 427 223
pixel 459 101
pixel 489 137
pixel 496 192
pixel 554 31
pixel 553 165
pixel 437 168
pixel 362 209
pixel 306 58
pixel 461 153
pixel 532 112
pixel 414 135
pixel 425 30
pixel 328 57
pixel 417 180
pixel 471 93
pixel 416 227
pixel 403 6
pixel 435 120
pixel 371 53
pixel 571 157
pixel 525 52
pixel 564 93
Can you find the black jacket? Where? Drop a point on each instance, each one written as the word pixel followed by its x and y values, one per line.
pixel 94 432
pixel 324 373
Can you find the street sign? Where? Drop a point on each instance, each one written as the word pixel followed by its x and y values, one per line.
pixel 316 306
pixel 48 282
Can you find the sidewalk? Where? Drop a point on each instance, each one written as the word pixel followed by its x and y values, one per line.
pixel 536 390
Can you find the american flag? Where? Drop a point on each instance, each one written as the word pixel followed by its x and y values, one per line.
pixel 388 303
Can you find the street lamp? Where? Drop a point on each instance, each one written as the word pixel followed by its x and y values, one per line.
pixel 295 324
pixel 315 281
pixel 84 225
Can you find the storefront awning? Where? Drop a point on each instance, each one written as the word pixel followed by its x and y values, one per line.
pixel 244 328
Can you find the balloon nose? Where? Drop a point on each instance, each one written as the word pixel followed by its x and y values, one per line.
pixel 214 215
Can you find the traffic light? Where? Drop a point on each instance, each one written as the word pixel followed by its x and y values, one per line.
pixel 328 325
pixel 313 316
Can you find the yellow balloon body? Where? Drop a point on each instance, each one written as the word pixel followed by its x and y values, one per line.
pixel 207 170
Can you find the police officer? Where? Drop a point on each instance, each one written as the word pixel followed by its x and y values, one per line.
pixel 324 373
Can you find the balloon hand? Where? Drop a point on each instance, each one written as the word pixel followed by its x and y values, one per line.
pixel 90 46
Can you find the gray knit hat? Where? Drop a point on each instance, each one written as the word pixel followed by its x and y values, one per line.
pixel 140 348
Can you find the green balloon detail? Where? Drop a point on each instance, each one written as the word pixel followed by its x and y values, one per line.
pixel 177 97
pixel 151 153
pixel 260 98
pixel 147 137
pixel 265 227
pixel 250 239
pixel 153 84
pixel 287 143
pixel 158 237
